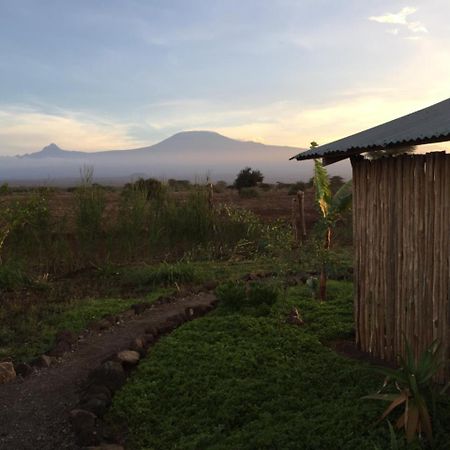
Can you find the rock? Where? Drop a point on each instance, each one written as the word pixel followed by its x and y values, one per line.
pixel 100 325
pixel 166 327
pixel 7 372
pixel 59 349
pixel 211 285
pixel 111 447
pixel 84 424
pixel 66 336
pixel 151 330
pixel 106 447
pixel 201 310
pixel 128 357
pixel 138 345
pixel 294 317
pixel 189 313
pixel 148 339
pixel 178 319
pixel 23 369
pixel 197 289
pixel 44 361
pixel 97 391
pixel 96 405
pixel 139 308
pixel 110 374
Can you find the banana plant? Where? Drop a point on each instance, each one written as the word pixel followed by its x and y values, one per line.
pixel 331 207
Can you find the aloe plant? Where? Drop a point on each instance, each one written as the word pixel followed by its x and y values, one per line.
pixel 412 382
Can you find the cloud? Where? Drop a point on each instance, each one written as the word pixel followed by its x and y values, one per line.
pixel 26 129
pixel 401 18
pixel 398 18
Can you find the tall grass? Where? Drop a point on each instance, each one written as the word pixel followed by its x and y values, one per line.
pixel 89 207
pixel 152 224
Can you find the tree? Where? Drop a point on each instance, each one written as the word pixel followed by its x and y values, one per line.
pixel 248 178
pixel 331 207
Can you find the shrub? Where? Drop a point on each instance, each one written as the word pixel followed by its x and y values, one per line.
pixel 24 226
pixel 90 204
pixel 262 294
pixel 163 275
pixel 299 186
pixel 248 178
pixel 232 295
pixel 265 186
pixel 238 296
pixel 220 187
pixel 12 276
pixel 248 193
pixel 179 185
pixel 4 189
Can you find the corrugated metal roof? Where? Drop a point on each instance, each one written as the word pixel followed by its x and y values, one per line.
pixel 427 125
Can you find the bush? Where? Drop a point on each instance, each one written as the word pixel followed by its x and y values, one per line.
pixel 220 187
pixel 299 186
pixel 163 275
pixel 238 296
pixel 179 185
pixel 4 189
pixel 248 178
pixel 232 295
pixel 248 193
pixel 12 276
pixel 265 186
pixel 89 207
pixel 262 294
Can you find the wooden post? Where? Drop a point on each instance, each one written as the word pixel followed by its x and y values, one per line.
pixel 301 210
pixel 211 196
pixel 294 220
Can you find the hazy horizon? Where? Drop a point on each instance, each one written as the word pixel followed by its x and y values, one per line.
pixel 185 155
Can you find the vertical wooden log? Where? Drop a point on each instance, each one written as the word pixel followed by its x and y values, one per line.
pixel 294 221
pixel 301 211
pixel 211 196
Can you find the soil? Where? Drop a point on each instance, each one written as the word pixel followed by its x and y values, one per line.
pixel 269 206
pixel 34 410
pixel 349 349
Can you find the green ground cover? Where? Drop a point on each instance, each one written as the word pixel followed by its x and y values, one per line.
pixel 237 380
pixel 28 328
pixel 31 334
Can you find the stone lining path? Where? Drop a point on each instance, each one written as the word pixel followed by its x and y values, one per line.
pixel 34 411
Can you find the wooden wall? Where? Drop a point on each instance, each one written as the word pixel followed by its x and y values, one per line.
pixel 401 211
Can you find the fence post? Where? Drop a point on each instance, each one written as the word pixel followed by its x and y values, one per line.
pixel 301 210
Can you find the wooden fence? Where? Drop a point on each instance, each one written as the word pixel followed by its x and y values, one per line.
pixel 401 212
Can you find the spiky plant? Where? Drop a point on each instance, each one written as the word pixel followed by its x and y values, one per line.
pixel 412 382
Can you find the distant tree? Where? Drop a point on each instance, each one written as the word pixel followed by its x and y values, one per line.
pixel 248 178
pixel 336 182
pixel 299 186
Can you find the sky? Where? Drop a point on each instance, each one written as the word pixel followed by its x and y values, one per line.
pixel 114 74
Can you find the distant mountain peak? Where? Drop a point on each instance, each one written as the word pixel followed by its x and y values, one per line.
pixel 53 151
pixel 52 148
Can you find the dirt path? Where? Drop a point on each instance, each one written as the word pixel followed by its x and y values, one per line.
pixel 34 411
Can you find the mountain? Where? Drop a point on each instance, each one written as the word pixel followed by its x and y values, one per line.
pixel 53 151
pixel 187 155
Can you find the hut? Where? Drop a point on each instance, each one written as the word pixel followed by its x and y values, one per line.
pixel 401 223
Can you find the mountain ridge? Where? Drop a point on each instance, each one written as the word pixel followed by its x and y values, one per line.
pixel 193 140
pixel 189 155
